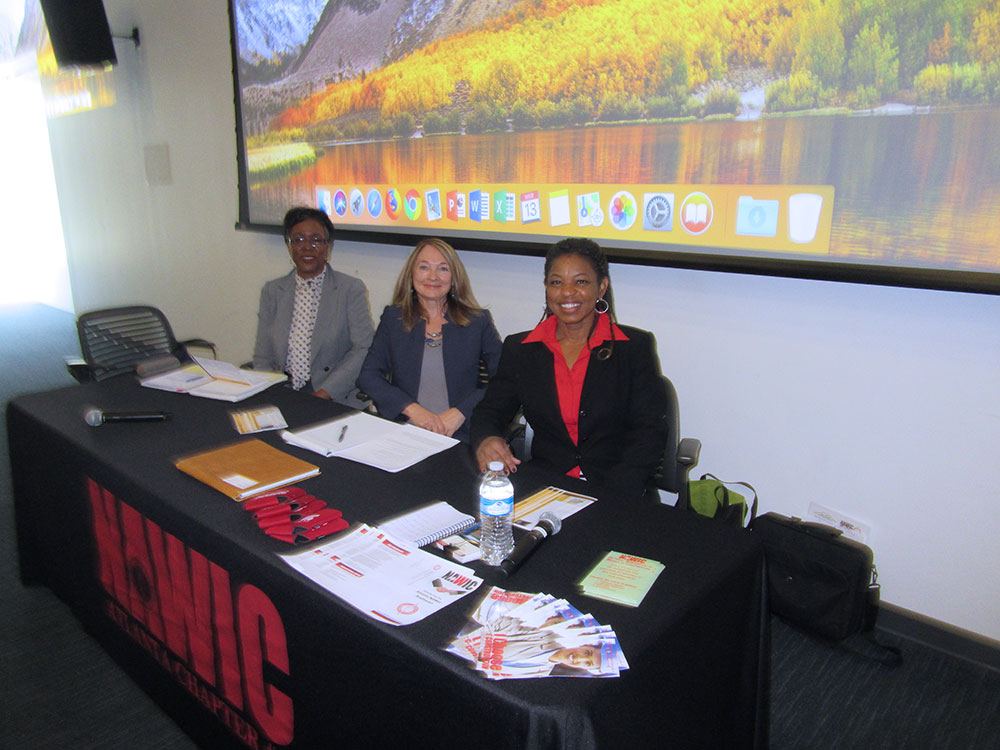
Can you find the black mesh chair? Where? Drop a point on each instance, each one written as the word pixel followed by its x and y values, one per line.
pixel 680 455
pixel 115 340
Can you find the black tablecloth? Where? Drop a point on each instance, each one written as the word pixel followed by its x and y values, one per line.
pixel 182 588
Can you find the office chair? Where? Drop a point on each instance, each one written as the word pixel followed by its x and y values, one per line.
pixel 115 340
pixel 680 455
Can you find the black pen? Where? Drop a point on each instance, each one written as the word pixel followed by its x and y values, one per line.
pixel 343 431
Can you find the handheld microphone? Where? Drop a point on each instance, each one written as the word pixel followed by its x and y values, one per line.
pixel 96 417
pixel 548 525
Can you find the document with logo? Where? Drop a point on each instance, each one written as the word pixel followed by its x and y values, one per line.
pixel 370 440
pixel 384 577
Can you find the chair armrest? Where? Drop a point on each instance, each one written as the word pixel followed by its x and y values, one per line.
pixel 79 369
pixel 519 436
pixel 688 452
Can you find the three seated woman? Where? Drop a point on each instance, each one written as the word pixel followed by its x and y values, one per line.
pixel 589 387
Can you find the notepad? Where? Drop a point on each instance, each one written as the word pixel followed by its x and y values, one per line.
pixel 428 523
pixel 247 468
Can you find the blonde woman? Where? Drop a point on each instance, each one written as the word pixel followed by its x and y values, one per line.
pixel 424 363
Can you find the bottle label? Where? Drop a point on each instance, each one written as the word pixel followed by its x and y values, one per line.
pixel 496 507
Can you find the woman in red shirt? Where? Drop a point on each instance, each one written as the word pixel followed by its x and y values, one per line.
pixel 590 389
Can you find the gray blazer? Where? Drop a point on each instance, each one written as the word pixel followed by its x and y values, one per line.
pixel 340 339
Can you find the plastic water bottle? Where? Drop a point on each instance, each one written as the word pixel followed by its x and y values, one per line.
pixel 496 512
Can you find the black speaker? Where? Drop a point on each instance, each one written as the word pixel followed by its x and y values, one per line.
pixel 79 32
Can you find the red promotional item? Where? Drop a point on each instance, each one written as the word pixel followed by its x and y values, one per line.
pixel 306 534
pixel 306 523
pixel 293 516
pixel 285 508
pixel 271 499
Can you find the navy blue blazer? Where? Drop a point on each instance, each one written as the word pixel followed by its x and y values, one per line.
pixel 391 371
pixel 340 339
pixel 623 410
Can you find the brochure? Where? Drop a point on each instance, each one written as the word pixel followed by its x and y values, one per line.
pixel 384 577
pixel 261 419
pixel 517 635
pixel 562 503
pixel 620 578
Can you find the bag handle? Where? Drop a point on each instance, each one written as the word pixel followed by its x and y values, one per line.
pixel 753 506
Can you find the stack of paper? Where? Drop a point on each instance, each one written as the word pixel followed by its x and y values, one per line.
pixel 386 578
pixel 515 635
pixel 621 578
pixel 370 440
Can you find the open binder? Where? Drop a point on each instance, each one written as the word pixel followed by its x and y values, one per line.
pixel 207 378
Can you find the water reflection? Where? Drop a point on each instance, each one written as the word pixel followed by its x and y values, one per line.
pixel 920 190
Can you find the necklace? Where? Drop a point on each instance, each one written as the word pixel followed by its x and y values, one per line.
pixel 433 339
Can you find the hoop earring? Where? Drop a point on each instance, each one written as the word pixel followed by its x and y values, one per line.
pixel 599 309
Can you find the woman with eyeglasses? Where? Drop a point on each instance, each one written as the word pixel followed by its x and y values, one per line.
pixel 314 323
pixel 424 364
pixel 590 388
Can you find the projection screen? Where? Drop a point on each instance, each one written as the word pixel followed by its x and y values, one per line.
pixel 857 141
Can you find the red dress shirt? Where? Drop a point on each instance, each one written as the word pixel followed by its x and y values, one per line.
pixel 569 380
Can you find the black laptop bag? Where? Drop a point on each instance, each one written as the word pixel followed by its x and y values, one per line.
pixel 817 579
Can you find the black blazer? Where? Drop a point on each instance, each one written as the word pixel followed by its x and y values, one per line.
pixel 391 371
pixel 623 405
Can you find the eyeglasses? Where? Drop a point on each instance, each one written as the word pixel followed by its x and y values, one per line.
pixel 313 242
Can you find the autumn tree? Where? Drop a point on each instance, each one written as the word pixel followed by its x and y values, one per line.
pixel 873 61
pixel 820 48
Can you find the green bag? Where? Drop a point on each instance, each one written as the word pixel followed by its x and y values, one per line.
pixel 709 496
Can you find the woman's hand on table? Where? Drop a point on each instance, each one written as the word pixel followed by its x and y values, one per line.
pixel 496 449
pixel 426 419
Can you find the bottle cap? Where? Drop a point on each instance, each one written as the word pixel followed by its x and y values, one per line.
pixel 496 465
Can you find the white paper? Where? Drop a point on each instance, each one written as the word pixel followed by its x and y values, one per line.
pixel 224 370
pixel 387 579
pixel 212 378
pixel 371 441
pixel 181 380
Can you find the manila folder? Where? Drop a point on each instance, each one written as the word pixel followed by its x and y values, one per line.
pixel 247 468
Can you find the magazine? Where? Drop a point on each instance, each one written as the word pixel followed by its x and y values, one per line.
pixel 518 635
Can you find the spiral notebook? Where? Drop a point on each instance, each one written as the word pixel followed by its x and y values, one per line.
pixel 428 523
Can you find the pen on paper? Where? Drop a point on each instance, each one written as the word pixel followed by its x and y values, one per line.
pixel 343 431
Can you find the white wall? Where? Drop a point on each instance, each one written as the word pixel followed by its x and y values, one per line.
pixel 881 403
pixel 32 259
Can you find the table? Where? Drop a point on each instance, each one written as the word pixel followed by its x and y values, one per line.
pixel 181 588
